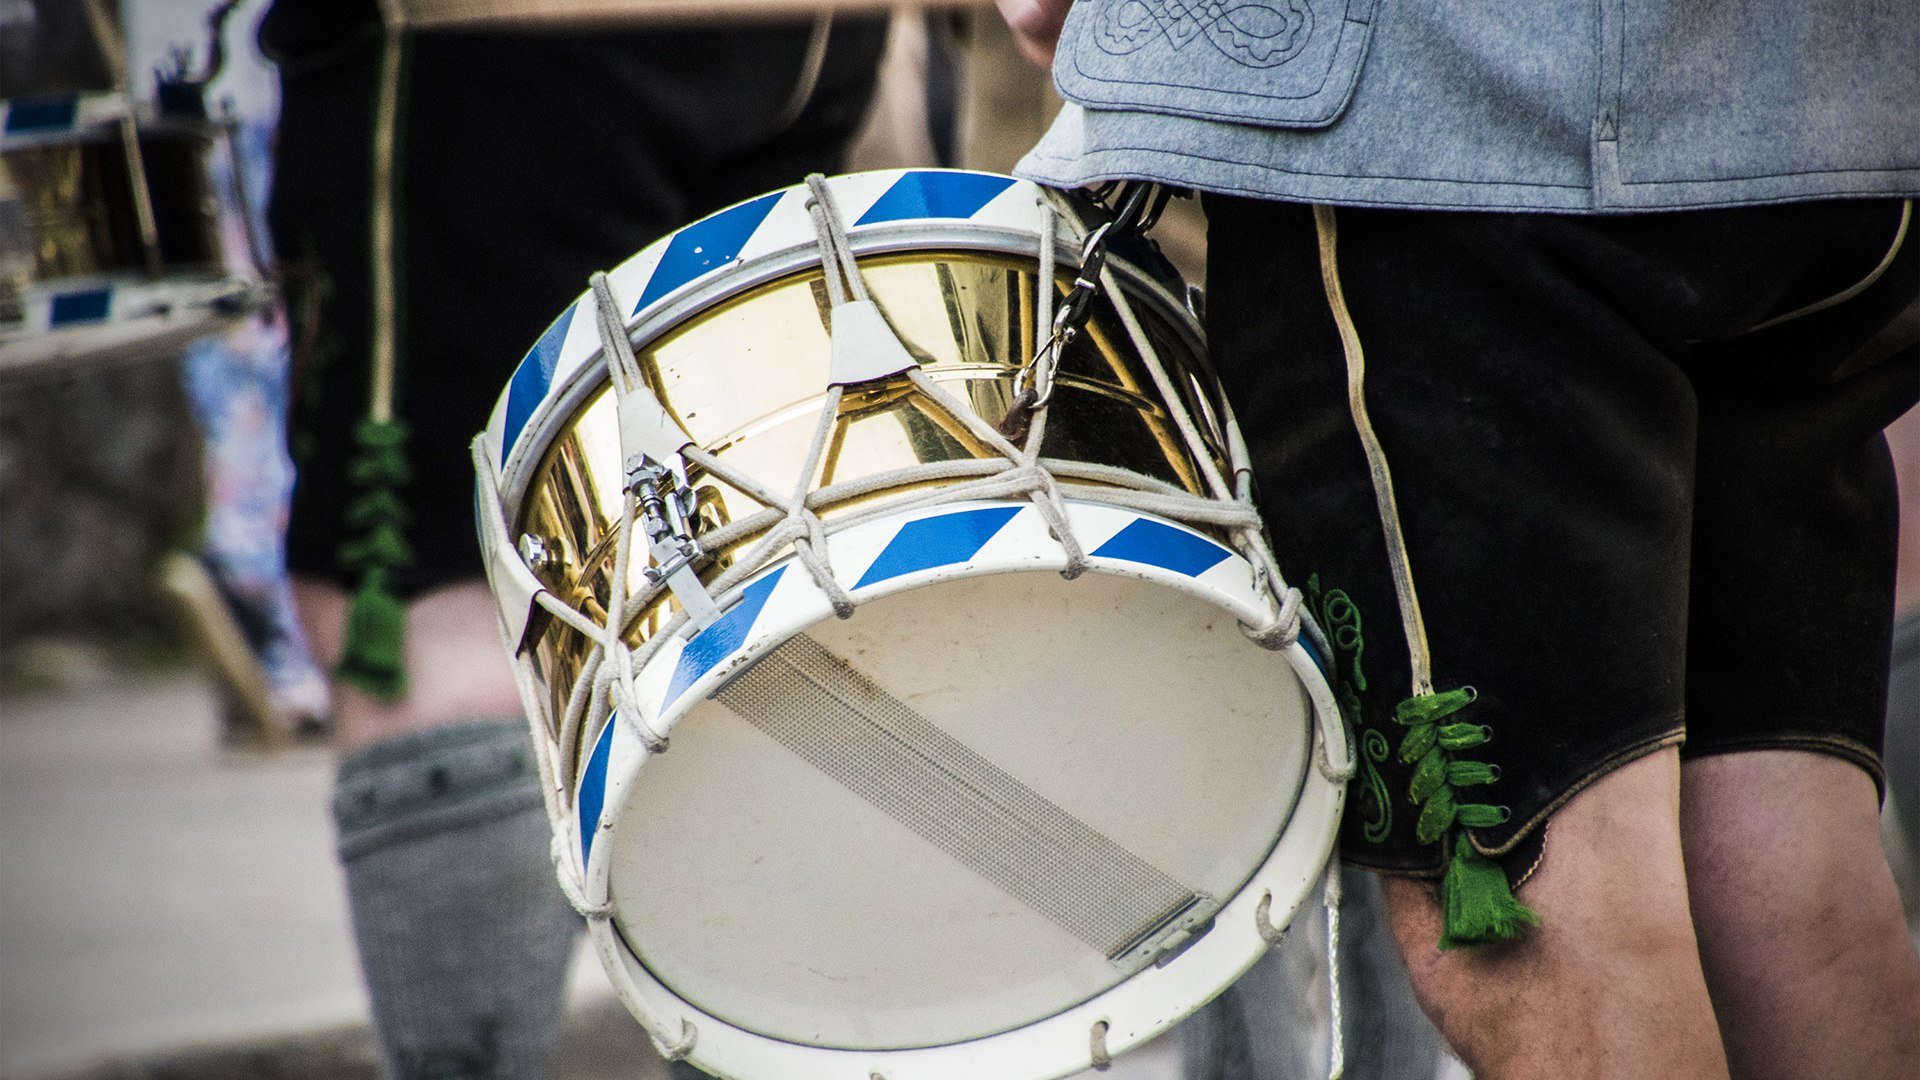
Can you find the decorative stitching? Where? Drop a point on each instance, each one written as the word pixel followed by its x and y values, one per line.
pixel 1891 173
pixel 1898 169
pixel 1296 172
pixel 1673 736
pixel 1181 23
pixel 1340 618
pixel 1375 750
pixel 1849 750
pixel 1546 828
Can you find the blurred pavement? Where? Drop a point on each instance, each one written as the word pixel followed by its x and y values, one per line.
pixel 154 893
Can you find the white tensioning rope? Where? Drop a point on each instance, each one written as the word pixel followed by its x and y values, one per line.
pixel 1331 896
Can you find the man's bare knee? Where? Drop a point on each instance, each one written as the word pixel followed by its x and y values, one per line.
pixel 457 671
pixel 1609 984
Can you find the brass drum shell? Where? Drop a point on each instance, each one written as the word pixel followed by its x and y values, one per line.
pixel 747 377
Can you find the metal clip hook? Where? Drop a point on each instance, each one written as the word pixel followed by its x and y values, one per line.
pixel 667 503
pixel 1139 205
pixel 667 506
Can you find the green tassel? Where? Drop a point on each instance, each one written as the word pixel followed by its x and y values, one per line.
pixel 375 507
pixel 1426 708
pixel 382 458
pixel 1428 776
pixel 1463 736
pixel 1480 816
pixel 380 468
pixel 382 548
pixel 1479 906
pixel 381 434
pixel 1470 773
pixel 1436 817
pixel 373 656
pixel 1418 742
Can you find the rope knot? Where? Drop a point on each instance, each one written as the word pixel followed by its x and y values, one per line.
pixel 571 886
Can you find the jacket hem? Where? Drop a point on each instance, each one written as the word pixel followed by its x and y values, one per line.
pixel 1418 193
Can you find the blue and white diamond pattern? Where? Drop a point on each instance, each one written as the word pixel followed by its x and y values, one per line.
pixel 769 225
pixel 912 550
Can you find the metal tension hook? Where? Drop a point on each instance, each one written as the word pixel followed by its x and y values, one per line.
pixel 667 506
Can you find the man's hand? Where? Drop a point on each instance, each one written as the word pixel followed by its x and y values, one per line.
pixel 1036 26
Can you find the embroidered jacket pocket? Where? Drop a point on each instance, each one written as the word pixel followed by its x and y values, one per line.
pixel 1276 63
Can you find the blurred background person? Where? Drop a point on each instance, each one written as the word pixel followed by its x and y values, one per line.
pixel 441 196
pixel 236 594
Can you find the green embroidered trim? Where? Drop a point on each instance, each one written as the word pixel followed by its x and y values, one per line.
pixel 1477 903
pixel 1374 753
pixel 1340 618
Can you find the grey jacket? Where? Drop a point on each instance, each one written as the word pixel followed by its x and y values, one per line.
pixel 1570 105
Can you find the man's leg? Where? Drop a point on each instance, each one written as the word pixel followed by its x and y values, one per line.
pixel 456 671
pixel 464 937
pixel 1801 933
pixel 1609 985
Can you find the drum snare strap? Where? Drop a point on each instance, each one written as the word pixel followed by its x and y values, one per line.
pixel 816 705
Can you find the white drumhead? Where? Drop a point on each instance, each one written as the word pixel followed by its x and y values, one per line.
pixel 957 811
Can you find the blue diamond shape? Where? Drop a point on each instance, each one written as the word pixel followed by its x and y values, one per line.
pixel 937 541
pixel 1156 544
pixel 935 195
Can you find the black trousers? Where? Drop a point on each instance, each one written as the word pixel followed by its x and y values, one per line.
pixel 526 162
pixel 1636 462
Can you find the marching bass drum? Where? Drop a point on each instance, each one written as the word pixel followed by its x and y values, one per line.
pixel 1037 792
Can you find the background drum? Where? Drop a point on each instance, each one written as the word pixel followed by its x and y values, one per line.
pixel 1063 764
pixel 110 242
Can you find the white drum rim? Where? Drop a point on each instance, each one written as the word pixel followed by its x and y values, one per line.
pixel 570 390
pixel 145 316
pixel 1135 1009
pixel 93 116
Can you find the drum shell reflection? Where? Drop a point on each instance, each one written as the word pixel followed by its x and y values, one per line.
pixel 77 207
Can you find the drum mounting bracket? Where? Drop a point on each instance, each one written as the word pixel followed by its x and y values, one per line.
pixel 667 508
